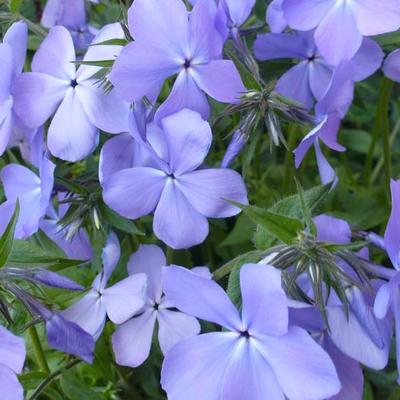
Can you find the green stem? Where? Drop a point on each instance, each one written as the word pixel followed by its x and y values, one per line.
pixel 289 164
pixel 170 256
pixel 51 378
pixel 381 126
pixel 39 353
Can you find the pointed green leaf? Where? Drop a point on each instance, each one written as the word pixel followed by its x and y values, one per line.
pixel 7 239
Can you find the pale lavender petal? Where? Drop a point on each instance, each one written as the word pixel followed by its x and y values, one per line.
pixel 239 11
pixel 89 313
pixel 383 300
pixel 305 14
pixel 162 25
pixel 200 297
pixel 236 145
pixel 109 256
pixel 295 359
pixel 209 190
pixel 6 130
pixel 329 132
pixel 295 84
pixel 349 372
pixel 10 386
pixel 132 341
pixel 188 139
pixel 392 233
pixel 326 172
pixel 337 37
pixel 105 110
pixel 140 71
pixel 271 46
pixel 19 181
pixel 51 13
pixel 149 259
pixel 55 55
pixel 176 222
pixel 53 279
pixel 249 376
pixel 192 360
pixel 391 67
pixel 319 75
pixel 142 186
pixel 368 59
pixel 17 38
pixel 275 17
pixel 6 59
pixel 221 80
pixel 173 327
pixel 71 139
pixel 12 350
pixel 374 18
pixel 331 229
pixel 31 86
pixel 68 337
pixel 264 303
pixel 125 298
pixel 73 14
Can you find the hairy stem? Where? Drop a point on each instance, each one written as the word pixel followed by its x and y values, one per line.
pixel 39 353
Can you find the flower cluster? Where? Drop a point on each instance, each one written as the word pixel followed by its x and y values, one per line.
pixel 114 170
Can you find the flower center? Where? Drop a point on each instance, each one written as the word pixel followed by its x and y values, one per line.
pixel 74 83
pixel 245 334
pixel 187 64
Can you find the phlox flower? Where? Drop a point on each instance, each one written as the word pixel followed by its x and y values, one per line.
pixel 117 302
pixel 342 24
pixel 55 87
pixel 275 18
pixel 257 356
pixel 132 340
pixel 168 42
pixel 308 80
pixel 180 193
pixel 391 67
pixel 12 359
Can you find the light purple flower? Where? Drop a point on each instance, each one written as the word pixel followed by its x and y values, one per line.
pixel 310 78
pixel 181 194
pixel 258 356
pixel 341 24
pixel 56 87
pixel 132 340
pixel 236 145
pixel 12 359
pixel 391 67
pixel 329 111
pixel 72 15
pixel 33 193
pixel 387 298
pixel 12 59
pixel 78 247
pixel 168 42
pixel 118 302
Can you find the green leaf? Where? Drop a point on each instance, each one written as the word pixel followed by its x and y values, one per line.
pixel 7 238
pixel 15 5
pixel 112 42
pixel 283 228
pixel 115 220
pixel 75 389
pixel 100 63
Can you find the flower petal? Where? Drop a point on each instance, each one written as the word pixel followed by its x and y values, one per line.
pixel 12 350
pixel 392 233
pixel 331 229
pixel 200 297
pixel 17 38
pixel 10 386
pixel 368 59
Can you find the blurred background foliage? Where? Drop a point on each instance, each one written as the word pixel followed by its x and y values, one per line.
pixel 361 197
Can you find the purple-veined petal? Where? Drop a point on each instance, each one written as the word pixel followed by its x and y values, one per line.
pixel 192 360
pixel 275 18
pixel 249 376
pixel 51 13
pixel 17 38
pixel 208 190
pixel 71 139
pixel 173 327
pixel 188 139
pixel 337 37
pixel 221 80
pixel 305 14
pixel 12 350
pixel 184 94
pixel 19 181
pixel 31 86
pixel 149 259
pixel 295 84
pixel 89 313
pixel 141 185
pixel 200 297
pixel 295 359
pixel 265 308
pixel 68 337
pixel 374 18
pixel 140 71
pixel 239 11
pixel 319 75
pixel 392 233
pixel 125 298
pixel 368 59
pixel 132 341
pixel 176 222
pixel 55 55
